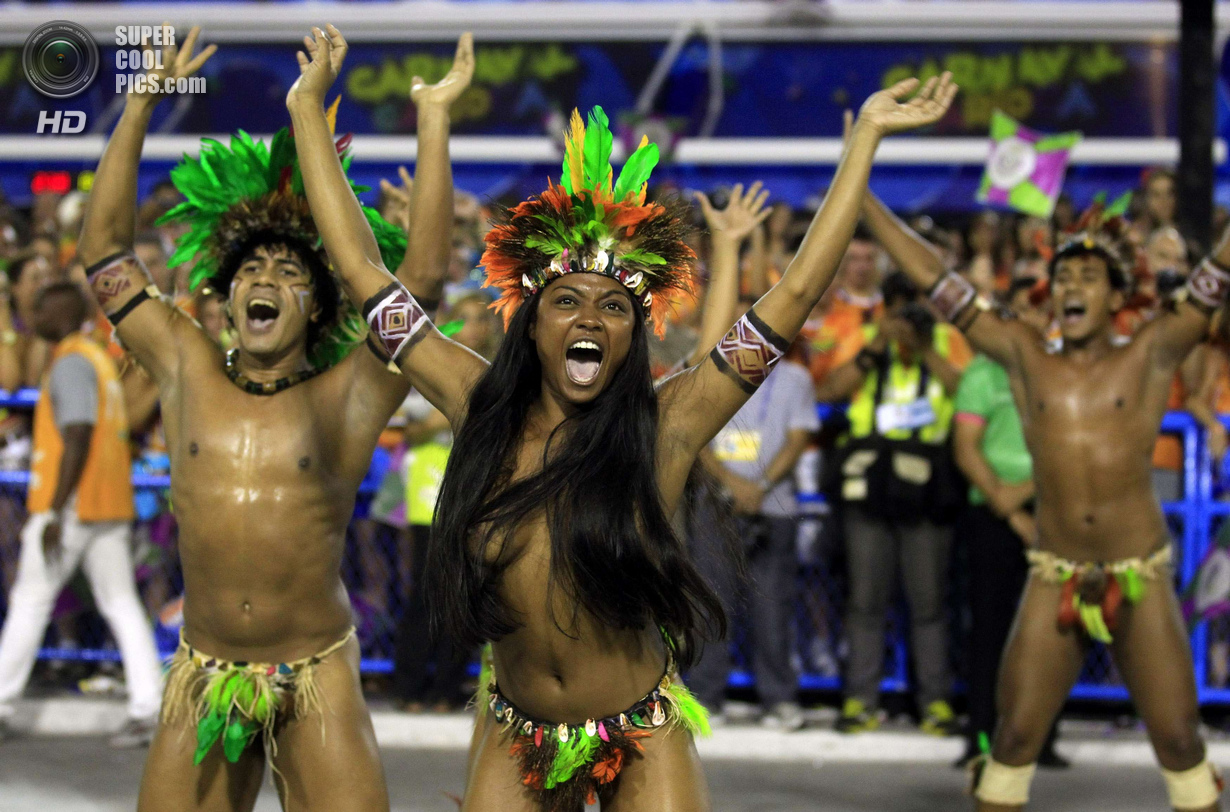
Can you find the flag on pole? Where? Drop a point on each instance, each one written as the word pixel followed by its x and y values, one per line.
pixel 1025 169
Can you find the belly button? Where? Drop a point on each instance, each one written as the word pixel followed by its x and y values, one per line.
pixel 304 462
pixel 246 607
pixel 193 448
pixel 1089 518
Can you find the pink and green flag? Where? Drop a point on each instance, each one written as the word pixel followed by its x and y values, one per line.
pixel 1025 169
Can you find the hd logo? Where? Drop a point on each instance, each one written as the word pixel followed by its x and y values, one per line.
pixel 63 122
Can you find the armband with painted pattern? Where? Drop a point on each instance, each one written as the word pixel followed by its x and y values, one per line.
pixel 749 351
pixel 396 319
pixel 112 277
pixel 1208 285
pixel 952 295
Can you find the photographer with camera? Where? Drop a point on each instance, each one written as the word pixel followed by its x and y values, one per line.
pixel 898 491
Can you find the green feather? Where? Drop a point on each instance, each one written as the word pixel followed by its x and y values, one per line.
pixel 236 739
pixel 642 257
pixel 636 171
pixel 207 732
pixel 571 756
pixel 693 716
pixel 1132 584
pixel 598 143
pixel 1119 207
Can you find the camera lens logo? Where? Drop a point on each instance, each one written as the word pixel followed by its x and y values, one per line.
pixel 60 59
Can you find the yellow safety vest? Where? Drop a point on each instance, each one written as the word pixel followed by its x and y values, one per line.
pixel 902 388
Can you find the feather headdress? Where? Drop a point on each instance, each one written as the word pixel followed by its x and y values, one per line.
pixel 592 223
pixel 1102 230
pixel 249 189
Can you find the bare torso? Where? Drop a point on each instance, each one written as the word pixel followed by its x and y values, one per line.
pixel 1090 423
pixel 263 487
pixel 556 666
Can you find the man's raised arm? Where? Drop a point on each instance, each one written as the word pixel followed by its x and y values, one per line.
pixel 441 369
pixel 952 294
pixel 118 279
pixel 430 245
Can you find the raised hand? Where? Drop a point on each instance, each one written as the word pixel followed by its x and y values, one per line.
pixel 742 214
pixel 886 113
pixel 397 199
pixel 446 91
pixel 319 67
pixel 177 63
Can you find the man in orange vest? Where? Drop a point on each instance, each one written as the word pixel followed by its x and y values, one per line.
pixel 81 511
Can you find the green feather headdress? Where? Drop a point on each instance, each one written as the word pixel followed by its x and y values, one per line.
pixel 236 193
pixel 593 223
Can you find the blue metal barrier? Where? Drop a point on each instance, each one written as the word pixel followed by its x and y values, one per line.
pixel 1197 512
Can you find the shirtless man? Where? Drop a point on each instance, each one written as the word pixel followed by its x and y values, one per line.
pixel 267 454
pixel 1091 411
pixel 581 648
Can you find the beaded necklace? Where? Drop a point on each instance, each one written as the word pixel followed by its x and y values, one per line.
pixel 269 388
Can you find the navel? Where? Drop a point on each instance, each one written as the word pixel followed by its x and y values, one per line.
pixel 304 462
pixel 1089 518
pixel 193 448
pixel 246 608
pixel 1118 403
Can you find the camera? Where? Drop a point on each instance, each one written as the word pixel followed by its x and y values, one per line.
pixel 60 59
pixel 919 318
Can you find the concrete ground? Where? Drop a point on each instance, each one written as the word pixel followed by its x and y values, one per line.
pixel 81 774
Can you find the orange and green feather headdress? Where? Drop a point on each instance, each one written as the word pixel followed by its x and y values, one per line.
pixel 592 223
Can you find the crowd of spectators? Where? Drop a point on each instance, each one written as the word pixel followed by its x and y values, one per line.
pixel 872 350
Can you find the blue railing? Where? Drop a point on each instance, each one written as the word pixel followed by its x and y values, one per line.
pixel 1198 512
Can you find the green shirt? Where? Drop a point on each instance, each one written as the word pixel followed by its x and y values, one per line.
pixel 986 395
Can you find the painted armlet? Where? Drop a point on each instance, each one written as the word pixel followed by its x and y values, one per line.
pixel 748 353
pixel 1208 285
pixel 396 320
pixel 957 300
pixel 120 283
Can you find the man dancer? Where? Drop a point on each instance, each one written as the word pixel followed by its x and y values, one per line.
pixel 81 511
pixel 1091 411
pixel 267 452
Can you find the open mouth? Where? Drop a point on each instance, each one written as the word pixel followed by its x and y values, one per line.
pixel 1073 312
pixel 262 313
pixel 583 361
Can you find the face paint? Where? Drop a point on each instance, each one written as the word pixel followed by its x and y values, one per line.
pixel 302 294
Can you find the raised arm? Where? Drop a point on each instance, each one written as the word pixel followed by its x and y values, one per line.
pixel 441 369
pixel 698 402
pixel 431 196
pixel 1175 333
pixel 728 229
pixel 153 330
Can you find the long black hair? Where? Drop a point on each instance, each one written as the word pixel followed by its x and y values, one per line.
pixel 613 549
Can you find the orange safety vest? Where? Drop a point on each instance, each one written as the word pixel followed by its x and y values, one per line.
pixel 105 490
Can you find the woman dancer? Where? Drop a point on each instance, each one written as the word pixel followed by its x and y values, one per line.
pixel 551 538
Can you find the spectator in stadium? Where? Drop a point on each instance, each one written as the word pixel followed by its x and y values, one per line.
pixel 981 264
pixel 831 333
pixel 27 274
pixel 900 384
pixel 998 526
pixel 81 509
pixel 1159 201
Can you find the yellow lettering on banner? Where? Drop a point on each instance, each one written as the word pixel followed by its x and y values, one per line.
pixel 8 60
pixel 498 66
pixel 1043 66
pixel 551 62
pixel 1101 62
